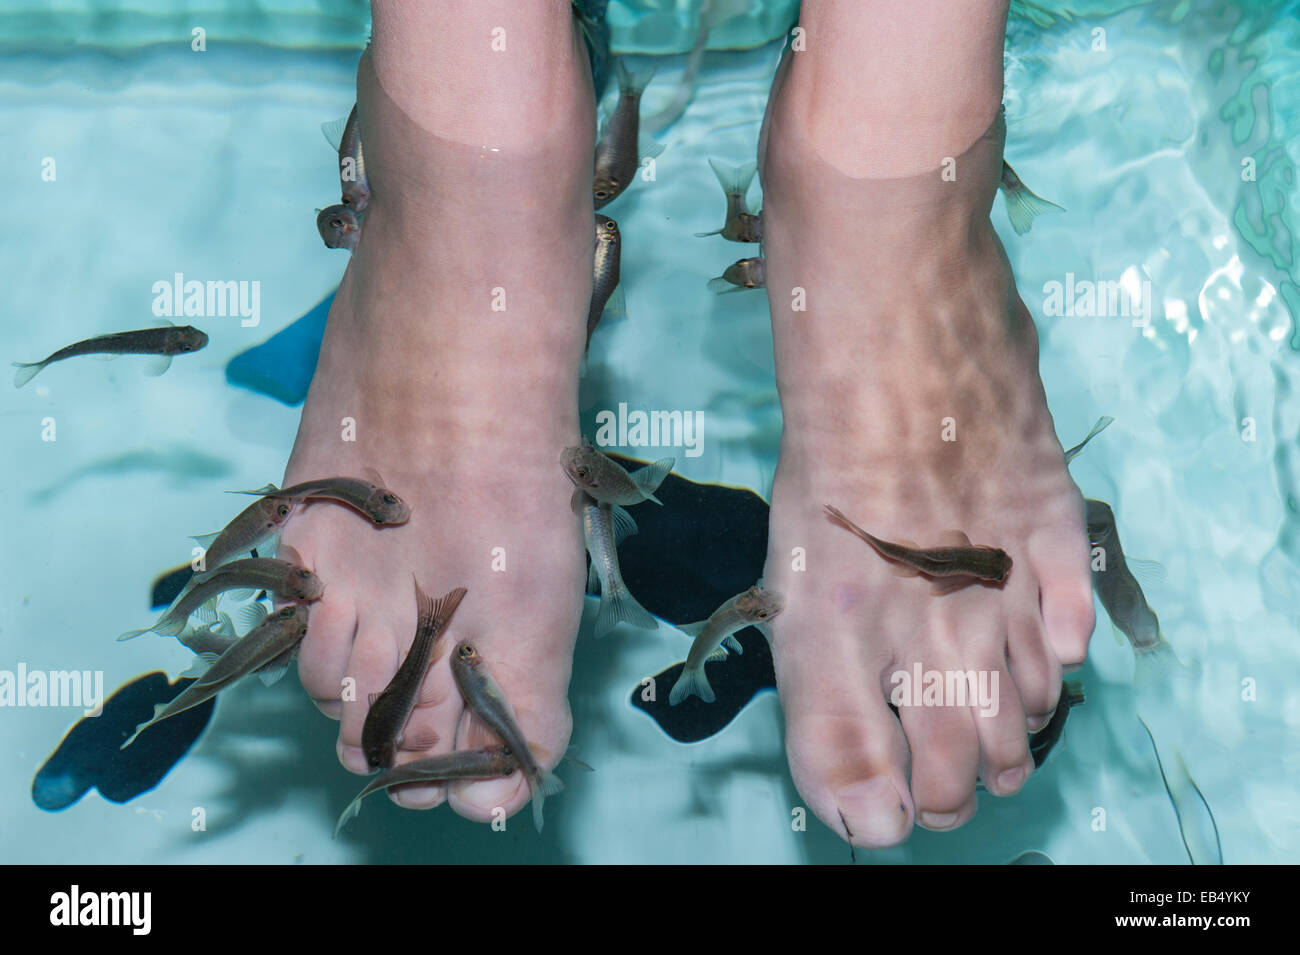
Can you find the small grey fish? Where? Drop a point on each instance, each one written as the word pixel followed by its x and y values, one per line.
pixel 617 151
pixel 352 165
pixel 604 278
pixel 739 276
pixel 339 227
pixel 382 732
pixel 250 528
pixel 1022 205
pixel 284 578
pixel 1104 422
pixel 741 225
pixel 164 342
pixel 753 606
pixel 462 764
pixel 489 705
pixel 607 481
pixel 962 560
pixel 1115 585
pixel 372 499
pixel 271 643
pixel 605 526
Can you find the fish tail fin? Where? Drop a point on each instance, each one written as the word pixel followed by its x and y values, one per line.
pixel 617 605
pixel 260 492
pixel 26 372
pixel 633 81
pixel 735 180
pixel 353 810
pixel 1023 207
pixel 691 683
pixel 720 286
pixel 701 235
pixel 546 784
pixel 132 634
pixel 158 710
pixel 333 131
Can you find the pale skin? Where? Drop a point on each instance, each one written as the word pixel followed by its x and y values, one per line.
pixel 930 328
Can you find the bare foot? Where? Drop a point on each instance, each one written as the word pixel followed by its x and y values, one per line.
pixel 462 408
pixel 913 334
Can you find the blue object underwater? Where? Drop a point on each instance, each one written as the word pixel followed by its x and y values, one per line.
pixel 89 756
pixel 282 366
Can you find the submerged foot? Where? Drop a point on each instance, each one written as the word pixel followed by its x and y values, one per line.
pixel 908 372
pixel 461 406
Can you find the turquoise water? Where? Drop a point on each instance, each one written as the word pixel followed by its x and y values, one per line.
pixel 211 165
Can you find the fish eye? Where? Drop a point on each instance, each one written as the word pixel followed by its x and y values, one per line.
pixel 390 498
pixel 762 615
pixel 288 611
pixel 581 471
pixel 305 574
pixel 283 510
pixel 602 194
pixel 611 226
pixel 466 652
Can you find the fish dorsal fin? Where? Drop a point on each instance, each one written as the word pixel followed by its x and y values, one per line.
pixel 201 664
pixel 262 491
pixel 373 476
pixel 333 131
pixel 693 629
pixel 651 476
pixel 477 733
pixel 206 540
pixel 1104 422
pixel 162 323
pixel 953 538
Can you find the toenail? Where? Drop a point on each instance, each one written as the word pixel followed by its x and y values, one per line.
pixel 873 811
pixel 939 820
pixel 1038 722
pixel 1010 781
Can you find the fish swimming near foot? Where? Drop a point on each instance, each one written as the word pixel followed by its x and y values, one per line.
pixel 272 643
pixel 249 529
pixel 739 276
pixel 714 635
pixel 619 151
pixel 606 480
pixel 605 288
pixel 345 136
pixel 1104 422
pixel 284 578
pixel 370 497
pixel 741 225
pixel 339 227
pixel 604 527
pixel 162 342
pixel 1022 205
pixel 462 764
pixel 381 734
pixel 491 708
pixel 962 559
pixel 1113 581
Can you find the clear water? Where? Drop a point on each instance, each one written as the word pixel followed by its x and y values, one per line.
pixel 211 165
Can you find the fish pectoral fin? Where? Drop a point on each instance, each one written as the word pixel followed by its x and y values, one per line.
pixel 647 148
pixel 899 569
pixel 615 305
pixel 370 699
pixel 478 734
pixel 205 540
pixel 422 740
pixel 732 644
pixel 954 538
pixel 202 662
pixel 718 655
pixel 692 629
pixel 946 585
pixel 249 615
pixel 157 364
pixel 651 476
pixel 373 476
